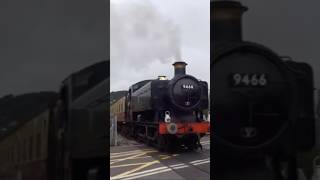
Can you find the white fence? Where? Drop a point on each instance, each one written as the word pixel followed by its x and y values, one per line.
pixel 113 131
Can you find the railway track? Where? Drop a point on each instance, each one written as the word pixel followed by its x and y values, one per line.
pixel 143 162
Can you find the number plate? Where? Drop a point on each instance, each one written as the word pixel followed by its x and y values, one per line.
pixel 248 80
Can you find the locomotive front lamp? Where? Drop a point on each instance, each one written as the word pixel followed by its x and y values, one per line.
pixel 167 117
pixel 162 78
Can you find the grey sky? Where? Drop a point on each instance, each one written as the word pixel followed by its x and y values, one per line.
pixel 190 21
pixel 42 42
pixel 289 27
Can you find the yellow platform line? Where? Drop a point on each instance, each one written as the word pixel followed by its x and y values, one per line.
pixel 121 155
pixel 117 160
pixel 134 170
pixel 125 165
pixel 130 157
pixel 137 150
pixel 146 174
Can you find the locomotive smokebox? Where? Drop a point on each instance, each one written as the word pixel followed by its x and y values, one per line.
pixel 226 20
pixel 179 68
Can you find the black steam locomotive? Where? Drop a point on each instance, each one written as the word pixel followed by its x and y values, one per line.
pixel 76 131
pixel 67 139
pixel 167 112
pixel 262 102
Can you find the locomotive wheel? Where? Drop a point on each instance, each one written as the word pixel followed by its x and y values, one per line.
pixel 161 142
pixel 124 131
pixel 191 142
pixel 168 146
pixel 79 170
pixel 170 143
pixel 190 146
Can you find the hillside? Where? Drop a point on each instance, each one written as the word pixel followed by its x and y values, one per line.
pixel 15 110
pixel 114 96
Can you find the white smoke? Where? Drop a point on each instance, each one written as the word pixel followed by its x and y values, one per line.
pixel 140 36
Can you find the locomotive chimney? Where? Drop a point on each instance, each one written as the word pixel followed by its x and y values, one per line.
pixel 226 20
pixel 179 68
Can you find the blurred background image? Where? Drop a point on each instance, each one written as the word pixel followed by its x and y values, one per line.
pixel 266 89
pixel 54 82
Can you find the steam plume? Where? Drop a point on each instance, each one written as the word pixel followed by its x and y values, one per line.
pixel 140 35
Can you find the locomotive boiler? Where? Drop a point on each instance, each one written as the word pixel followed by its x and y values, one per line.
pixel 263 102
pixel 167 112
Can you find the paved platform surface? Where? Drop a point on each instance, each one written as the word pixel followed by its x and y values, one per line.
pixel 139 161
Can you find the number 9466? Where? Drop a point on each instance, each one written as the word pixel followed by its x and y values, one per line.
pixel 249 79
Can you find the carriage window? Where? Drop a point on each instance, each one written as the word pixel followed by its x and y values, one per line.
pixel 38 145
pixel 18 152
pixel 30 148
pixel 11 155
pixel 21 151
pixel 25 150
pixel 318 104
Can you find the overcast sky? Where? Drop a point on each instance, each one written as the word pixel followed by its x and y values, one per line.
pixel 289 27
pixel 148 36
pixel 42 42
